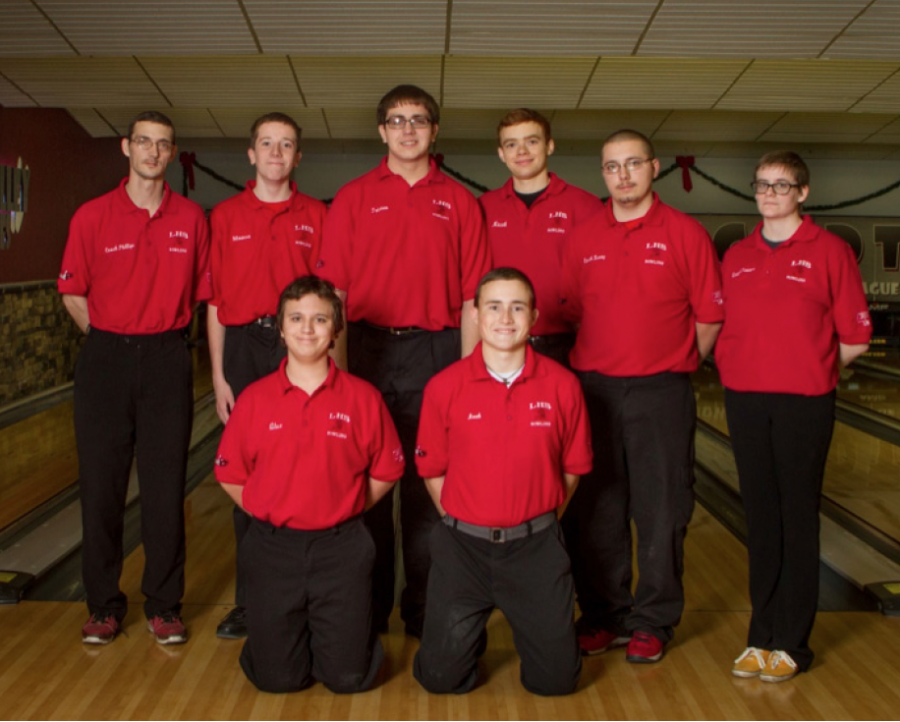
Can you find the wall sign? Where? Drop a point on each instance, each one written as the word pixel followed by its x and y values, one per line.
pixel 13 200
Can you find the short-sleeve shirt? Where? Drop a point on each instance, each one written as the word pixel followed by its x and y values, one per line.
pixel 141 274
pixel 258 249
pixel 503 451
pixel 532 239
pixel 787 309
pixel 405 255
pixel 638 289
pixel 304 460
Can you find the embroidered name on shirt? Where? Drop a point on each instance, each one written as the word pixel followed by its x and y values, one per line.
pixel 595 257
pixel 380 209
pixel 740 271
pixel 120 247
pixel 474 417
pixel 499 224
pixel 274 426
pixel 241 238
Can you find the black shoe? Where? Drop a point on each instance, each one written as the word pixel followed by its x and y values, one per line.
pixel 234 625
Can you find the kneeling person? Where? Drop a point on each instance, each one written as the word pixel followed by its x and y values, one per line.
pixel 503 440
pixel 306 450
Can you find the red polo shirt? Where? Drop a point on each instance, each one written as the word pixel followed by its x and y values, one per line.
pixel 140 274
pixel 304 460
pixel 405 255
pixel 786 311
pixel 532 239
pixel 258 249
pixel 503 450
pixel 637 290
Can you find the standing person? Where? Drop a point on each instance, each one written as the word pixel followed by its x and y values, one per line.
pixel 405 246
pixel 643 281
pixel 530 218
pixel 262 239
pixel 136 262
pixel 503 440
pixel 306 449
pixel 795 313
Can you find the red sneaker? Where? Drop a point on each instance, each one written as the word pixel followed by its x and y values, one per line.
pixel 597 641
pixel 100 629
pixel 644 648
pixel 167 628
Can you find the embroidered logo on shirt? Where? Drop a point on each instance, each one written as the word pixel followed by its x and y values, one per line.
pixel 540 417
pixel 180 234
pixel 862 319
pixel 443 204
pixel 398 454
pixel 420 451
pixel 655 249
pixel 177 249
pixel 304 228
pixel 336 429
pixel 221 461
pixel 717 298
pixel 798 268
pixel 65 275
pixel 557 217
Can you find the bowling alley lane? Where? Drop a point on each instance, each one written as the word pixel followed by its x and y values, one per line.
pixel 38 459
pixel 862 474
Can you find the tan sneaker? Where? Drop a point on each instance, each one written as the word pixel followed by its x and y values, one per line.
pixel 751 662
pixel 779 668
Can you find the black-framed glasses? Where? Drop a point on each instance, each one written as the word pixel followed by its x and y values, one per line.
pixel 145 143
pixel 417 122
pixel 781 188
pixel 631 165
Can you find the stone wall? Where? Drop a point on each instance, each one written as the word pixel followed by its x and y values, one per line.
pixel 38 340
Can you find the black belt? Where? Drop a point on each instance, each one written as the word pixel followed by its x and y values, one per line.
pixel 501 534
pixel 141 340
pixel 396 330
pixel 267 322
pixel 551 339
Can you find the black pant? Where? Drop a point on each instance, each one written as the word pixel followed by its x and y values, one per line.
pixel 642 430
pixel 554 345
pixel 308 608
pixel 251 352
pixel 133 390
pixel 399 367
pixel 529 579
pixel 780 444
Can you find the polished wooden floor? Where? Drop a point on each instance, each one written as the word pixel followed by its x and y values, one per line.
pixel 46 673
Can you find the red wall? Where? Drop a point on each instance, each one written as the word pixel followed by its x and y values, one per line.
pixel 68 167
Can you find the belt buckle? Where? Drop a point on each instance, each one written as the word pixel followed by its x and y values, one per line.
pixel 498 535
pixel 266 321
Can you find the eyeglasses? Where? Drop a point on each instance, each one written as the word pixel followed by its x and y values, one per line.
pixel 145 143
pixel 631 165
pixel 781 188
pixel 417 122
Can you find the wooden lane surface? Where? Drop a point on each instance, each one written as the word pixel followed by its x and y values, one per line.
pixel 862 473
pixel 38 458
pixel 46 673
